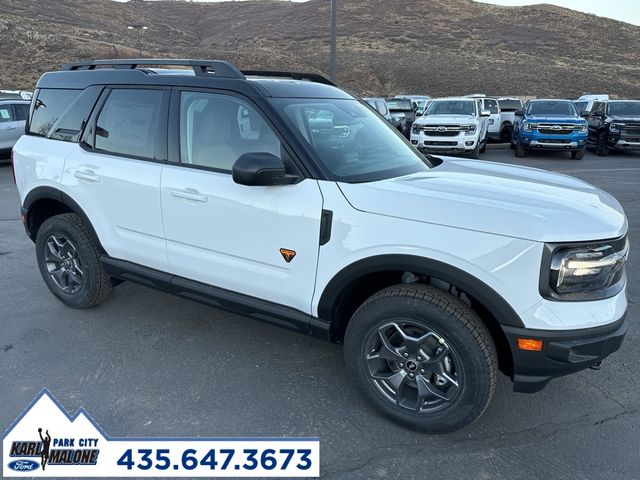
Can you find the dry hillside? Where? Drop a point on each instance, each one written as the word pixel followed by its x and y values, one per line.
pixel 437 47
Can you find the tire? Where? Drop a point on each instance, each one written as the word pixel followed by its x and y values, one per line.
pixel 484 147
pixel 506 133
pixel 520 150
pixel 578 154
pixel 602 150
pixel 475 153
pixel 64 245
pixel 443 403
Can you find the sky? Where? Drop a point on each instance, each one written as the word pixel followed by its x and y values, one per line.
pixel 625 10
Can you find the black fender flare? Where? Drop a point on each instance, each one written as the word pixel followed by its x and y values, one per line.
pixel 45 192
pixel 487 296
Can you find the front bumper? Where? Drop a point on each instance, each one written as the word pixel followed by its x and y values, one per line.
pixel 536 140
pixel 456 143
pixel 626 144
pixel 563 352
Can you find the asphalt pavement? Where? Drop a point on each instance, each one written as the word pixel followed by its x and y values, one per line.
pixel 146 363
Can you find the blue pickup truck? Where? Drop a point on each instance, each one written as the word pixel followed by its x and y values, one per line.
pixel 550 125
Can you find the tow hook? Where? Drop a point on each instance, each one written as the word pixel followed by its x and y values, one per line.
pixel 596 366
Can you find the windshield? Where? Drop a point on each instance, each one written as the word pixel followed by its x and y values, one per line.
pixel 581 106
pixel 510 105
pixel 403 105
pixel 351 142
pixel 552 107
pixel 452 107
pixel 624 108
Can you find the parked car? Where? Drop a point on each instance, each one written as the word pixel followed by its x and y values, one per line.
pixel 380 105
pixel 550 124
pixel 456 125
pixel 614 124
pixel 508 108
pixel 433 272
pixel 13 116
pixel 404 112
pixel 15 94
pixel 419 102
pixel 585 102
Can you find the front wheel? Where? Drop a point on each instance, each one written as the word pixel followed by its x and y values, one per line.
pixel 578 154
pixel 68 259
pixel 484 147
pixel 475 153
pixel 602 149
pixel 520 150
pixel 422 357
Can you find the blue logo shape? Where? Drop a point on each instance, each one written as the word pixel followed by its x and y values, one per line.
pixel 23 465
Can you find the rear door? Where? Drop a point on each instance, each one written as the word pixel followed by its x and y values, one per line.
pixel 114 173
pixel 262 242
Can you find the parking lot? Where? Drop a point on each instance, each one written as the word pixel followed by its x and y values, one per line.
pixel 146 363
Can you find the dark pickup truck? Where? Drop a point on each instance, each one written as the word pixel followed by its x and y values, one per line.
pixel 403 111
pixel 614 124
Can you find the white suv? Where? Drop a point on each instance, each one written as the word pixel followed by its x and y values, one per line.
pixel 452 125
pixel 288 200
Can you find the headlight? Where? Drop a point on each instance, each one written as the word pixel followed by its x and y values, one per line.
pixel 526 126
pixel 584 128
pixel 616 127
pixel 471 129
pixel 587 272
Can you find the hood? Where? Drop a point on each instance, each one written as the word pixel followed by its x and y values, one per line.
pixel 441 119
pixel 554 119
pixel 496 198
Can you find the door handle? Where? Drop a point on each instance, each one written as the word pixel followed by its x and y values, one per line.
pixel 87 174
pixel 190 194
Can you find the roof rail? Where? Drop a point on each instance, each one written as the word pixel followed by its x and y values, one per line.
pixel 311 77
pixel 218 68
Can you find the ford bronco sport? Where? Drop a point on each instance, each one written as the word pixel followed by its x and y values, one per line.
pixel 280 196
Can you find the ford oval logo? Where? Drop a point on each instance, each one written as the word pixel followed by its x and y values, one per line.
pixel 23 465
pixel 556 127
pixel 441 129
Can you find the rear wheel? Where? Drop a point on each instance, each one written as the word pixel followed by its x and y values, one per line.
pixel 520 150
pixel 602 150
pixel 68 259
pixel 422 357
pixel 578 154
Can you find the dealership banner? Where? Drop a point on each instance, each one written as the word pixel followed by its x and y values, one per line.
pixel 46 441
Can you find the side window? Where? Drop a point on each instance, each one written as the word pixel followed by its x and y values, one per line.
pixel 71 121
pixel 128 122
pixel 48 107
pixel 491 105
pixel 22 111
pixel 6 115
pixel 215 130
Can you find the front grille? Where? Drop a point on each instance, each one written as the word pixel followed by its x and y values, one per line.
pixel 553 140
pixel 442 130
pixel 442 144
pixel 558 129
pixel 448 133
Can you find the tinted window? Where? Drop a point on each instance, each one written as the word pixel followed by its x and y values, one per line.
pixel 491 105
pixel 510 105
pixel 215 130
pixel 624 108
pixel 6 114
pixel 48 107
pixel 21 110
pixel 552 107
pixel 71 121
pixel 352 142
pixel 128 122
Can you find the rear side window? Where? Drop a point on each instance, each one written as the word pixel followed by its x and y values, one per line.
pixel 71 122
pixel 48 107
pixel 21 110
pixel 128 123
pixel 6 115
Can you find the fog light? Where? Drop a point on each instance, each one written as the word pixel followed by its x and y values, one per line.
pixel 529 344
pixel 469 143
pixel 414 142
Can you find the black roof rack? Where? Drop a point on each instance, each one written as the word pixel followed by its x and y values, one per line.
pixel 219 68
pixel 311 77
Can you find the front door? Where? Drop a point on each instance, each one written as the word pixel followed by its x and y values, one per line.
pixel 258 241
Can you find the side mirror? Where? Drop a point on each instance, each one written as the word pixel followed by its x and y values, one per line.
pixel 485 113
pixel 585 113
pixel 261 169
pixel 519 113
